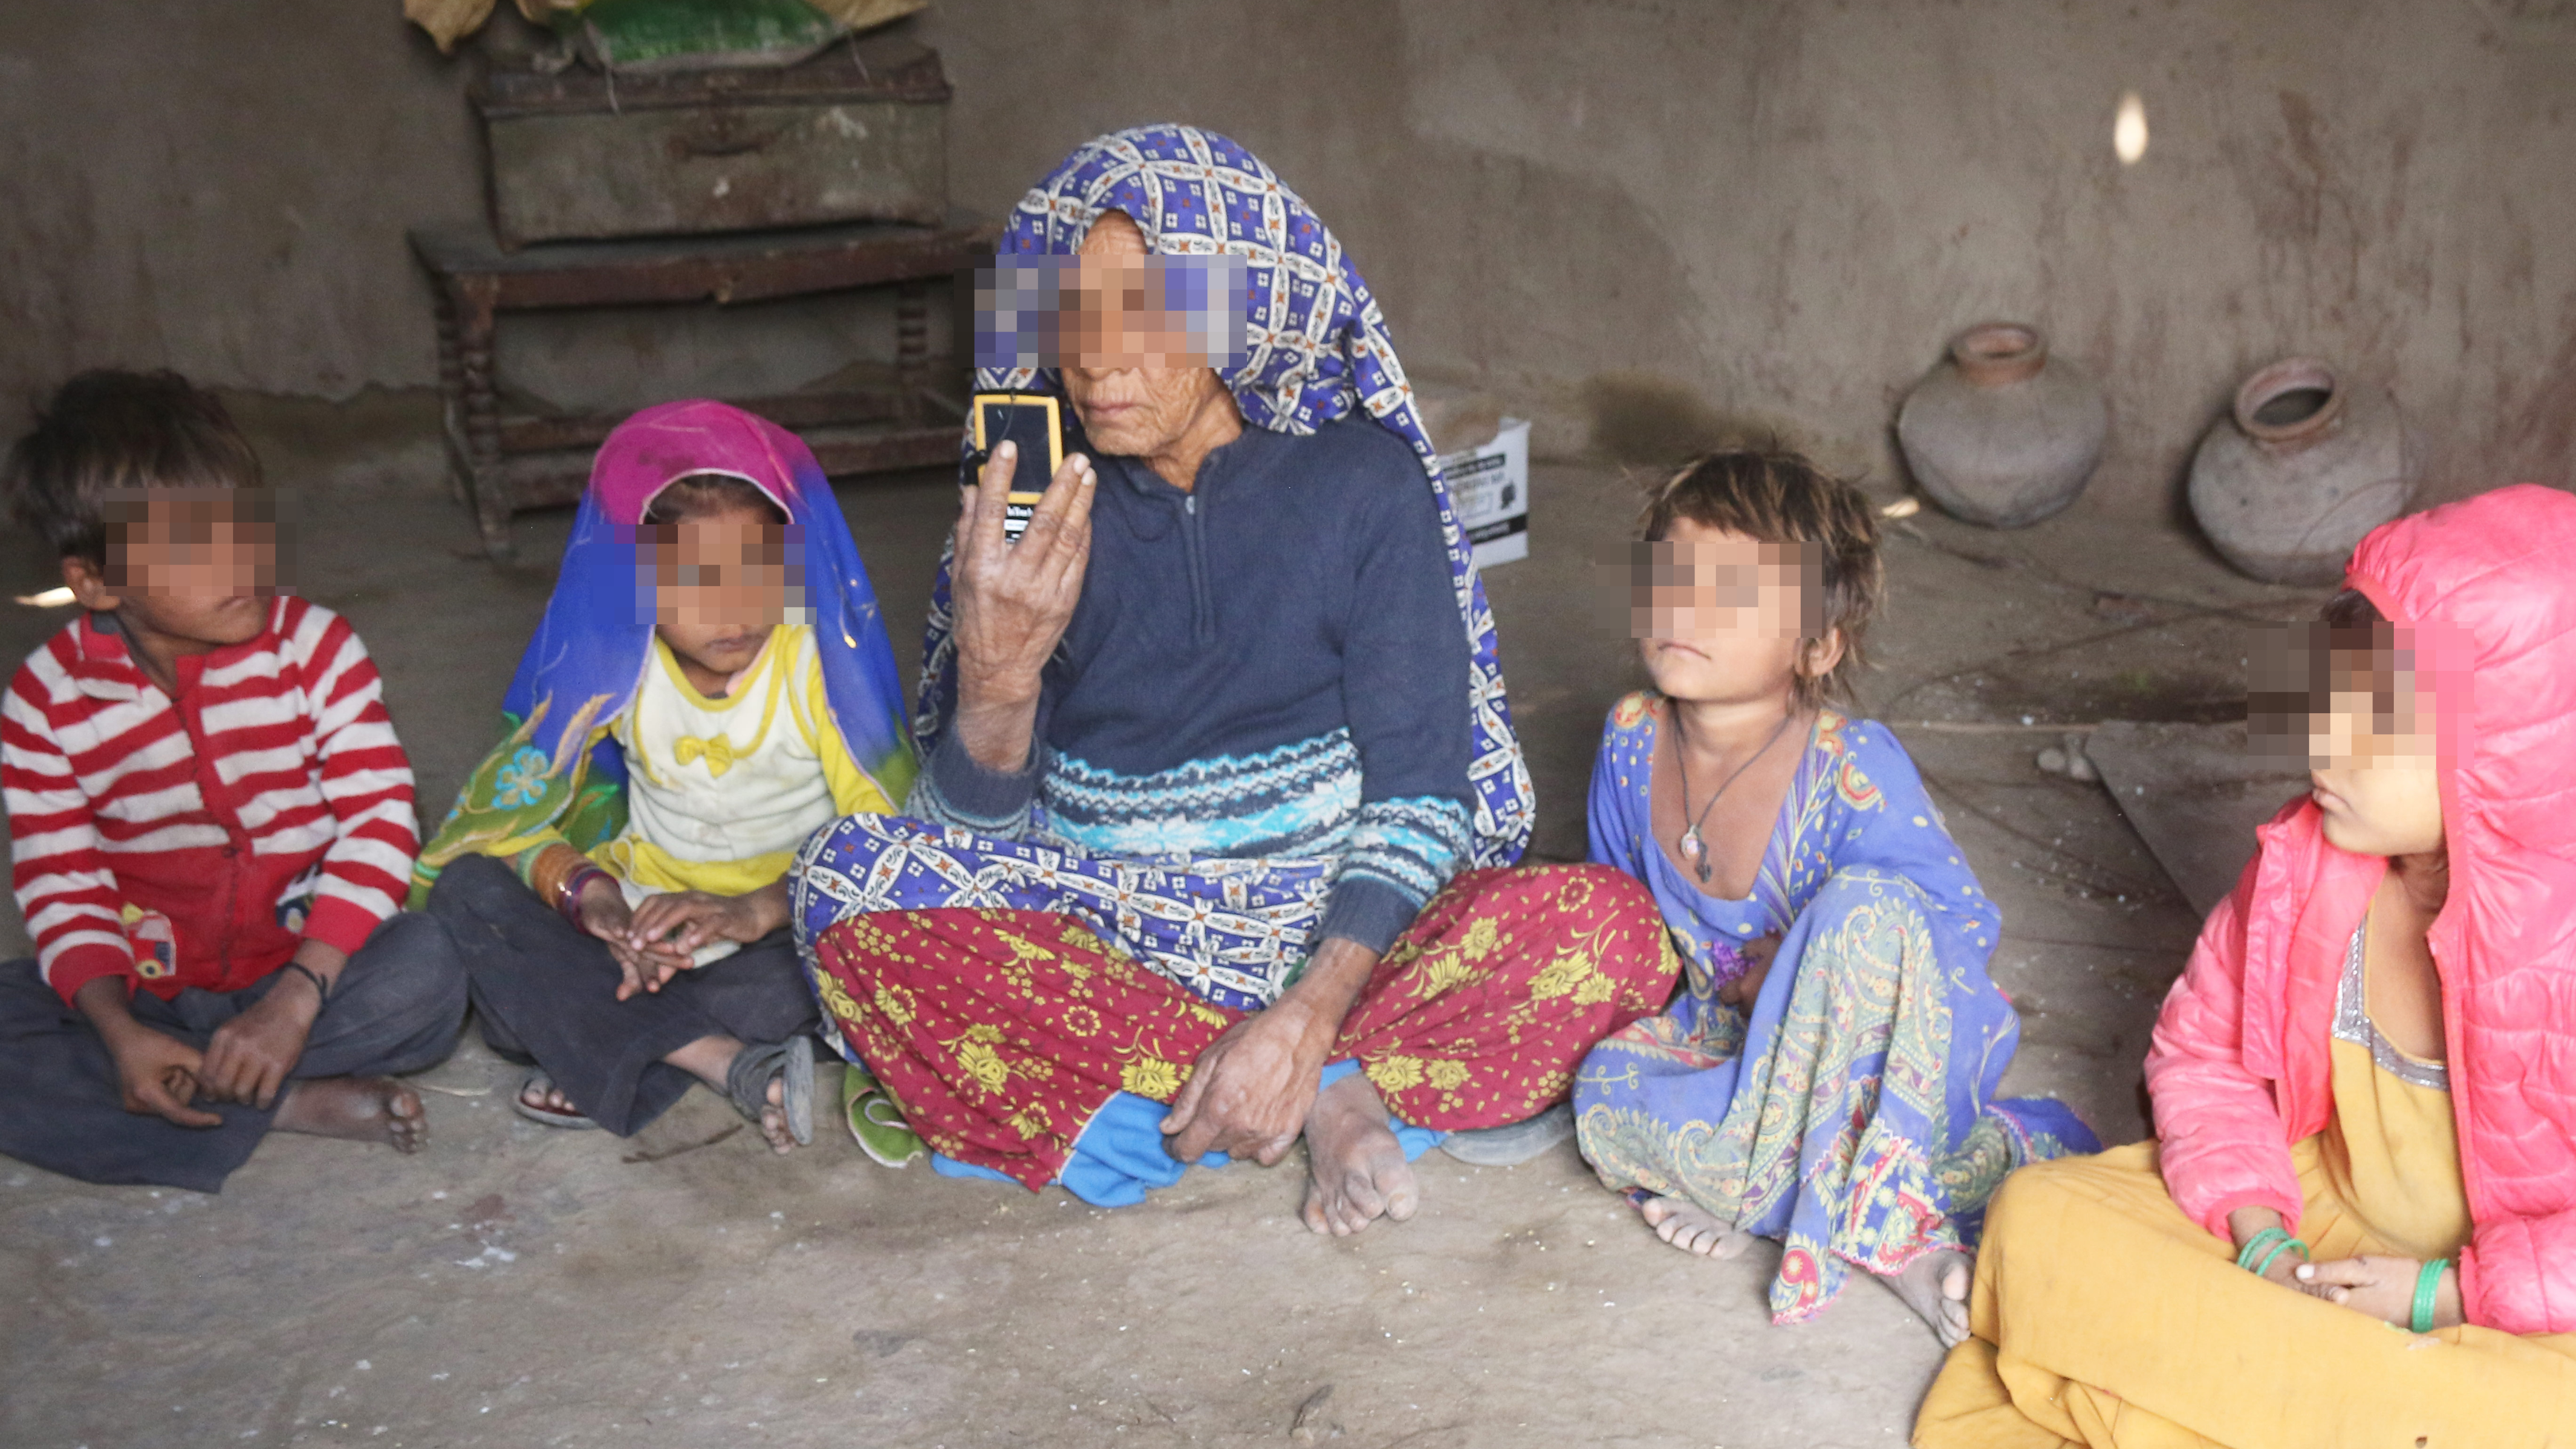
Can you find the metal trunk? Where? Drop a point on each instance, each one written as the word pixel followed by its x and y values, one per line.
pixel 858 133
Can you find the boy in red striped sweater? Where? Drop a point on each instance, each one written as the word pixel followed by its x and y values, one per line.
pixel 210 820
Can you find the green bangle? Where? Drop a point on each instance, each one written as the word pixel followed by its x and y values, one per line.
pixel 2428 1286
pixel 2283 1246
pixel 2257 1243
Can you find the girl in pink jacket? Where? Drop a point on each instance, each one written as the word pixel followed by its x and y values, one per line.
pixel 2357 1225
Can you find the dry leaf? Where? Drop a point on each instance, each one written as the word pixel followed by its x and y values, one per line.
pixel 448 21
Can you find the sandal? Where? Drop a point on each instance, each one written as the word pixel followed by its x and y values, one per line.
pixel 539 1084
pixel 754 1067
pixel 876 1120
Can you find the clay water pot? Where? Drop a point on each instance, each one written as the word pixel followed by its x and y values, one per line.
pixel 2296 473
pixel 2002 434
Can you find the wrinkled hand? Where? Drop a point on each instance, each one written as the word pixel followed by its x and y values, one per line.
pixel 1741 992
pixel 156 1076
pixel 251 1054
pixel 1250 1090
pixel 2382 1287
pixel 1013 601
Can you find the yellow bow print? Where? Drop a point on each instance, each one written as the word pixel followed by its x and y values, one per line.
pixel 716 750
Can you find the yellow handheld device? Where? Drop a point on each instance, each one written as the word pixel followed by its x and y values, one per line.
pixel 1036 423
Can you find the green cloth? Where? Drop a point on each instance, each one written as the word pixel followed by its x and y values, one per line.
pixel 633 35
pixel 519 801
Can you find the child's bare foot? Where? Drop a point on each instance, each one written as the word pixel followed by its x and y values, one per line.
pixel 361 1109
pixel 1359 1171
pixel 1692 1228
pixel 1936 1286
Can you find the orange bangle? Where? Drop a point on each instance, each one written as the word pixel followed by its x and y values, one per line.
pixel 553 866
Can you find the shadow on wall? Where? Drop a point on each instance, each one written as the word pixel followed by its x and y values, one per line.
pixel 1610 278
pixel 1653 423
pixel 1625 287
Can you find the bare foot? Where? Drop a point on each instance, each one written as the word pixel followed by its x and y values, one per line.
pixel 361 1109
pixel 1360 1174
pixel 1692 1228
pixel 1936 1286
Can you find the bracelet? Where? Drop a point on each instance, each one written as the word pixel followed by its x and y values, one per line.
pixel 2283 1246
pixel 2428 1286
pixel 547 867
pixel 2257 1243
pixel 568 894
pixel 321 988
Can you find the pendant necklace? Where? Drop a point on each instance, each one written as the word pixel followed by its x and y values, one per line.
pixel 1693 848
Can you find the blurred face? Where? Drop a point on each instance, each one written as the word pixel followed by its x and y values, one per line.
pixel 188 569
pixel 2372 768
pixel 1723 618
pixel 1136 375
pixel 719 587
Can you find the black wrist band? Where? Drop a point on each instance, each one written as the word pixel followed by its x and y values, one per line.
pixel 321 988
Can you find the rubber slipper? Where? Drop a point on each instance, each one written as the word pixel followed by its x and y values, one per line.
pixel 1514 1144
pixel 539 1084
pixel 876 1121
pixel 792 1062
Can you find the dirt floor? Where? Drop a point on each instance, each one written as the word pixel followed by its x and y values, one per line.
pixel 518 1286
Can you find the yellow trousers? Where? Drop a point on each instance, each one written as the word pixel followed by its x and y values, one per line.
pixel 2104 1317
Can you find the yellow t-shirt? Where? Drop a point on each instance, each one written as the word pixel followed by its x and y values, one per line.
pixel 720 792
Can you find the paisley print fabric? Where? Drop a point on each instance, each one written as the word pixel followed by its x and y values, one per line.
pixel 1852 1113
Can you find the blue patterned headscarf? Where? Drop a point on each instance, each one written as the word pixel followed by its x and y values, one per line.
pixel 1317 346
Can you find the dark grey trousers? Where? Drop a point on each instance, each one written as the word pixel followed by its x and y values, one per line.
pixel 545 991
pixel 397 1008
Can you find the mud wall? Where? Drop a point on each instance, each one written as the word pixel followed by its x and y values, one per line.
pixel 1646 222
pixel 222 189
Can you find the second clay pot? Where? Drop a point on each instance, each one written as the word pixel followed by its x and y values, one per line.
pixel 2303 465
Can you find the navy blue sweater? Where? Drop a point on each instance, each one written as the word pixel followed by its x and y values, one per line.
pixel 1273 664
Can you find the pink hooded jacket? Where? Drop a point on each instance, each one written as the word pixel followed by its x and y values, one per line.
pixel 2238 1069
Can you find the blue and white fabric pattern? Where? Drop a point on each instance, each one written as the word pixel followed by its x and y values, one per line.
pixel 1298 799
pixel 1232 932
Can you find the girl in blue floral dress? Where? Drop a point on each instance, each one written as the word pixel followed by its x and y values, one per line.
pixel 1827 1074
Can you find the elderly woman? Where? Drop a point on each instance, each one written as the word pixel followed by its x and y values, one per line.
pixel 1218 776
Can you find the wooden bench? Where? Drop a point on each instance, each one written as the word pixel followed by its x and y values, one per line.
pixel 503 462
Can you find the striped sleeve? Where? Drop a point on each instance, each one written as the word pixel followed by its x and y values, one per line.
pixel 365 780
pixel 65 888
pixel 1401 853
pixel 953 789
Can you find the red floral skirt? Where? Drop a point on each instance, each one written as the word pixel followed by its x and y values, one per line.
pixel 1002 1032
